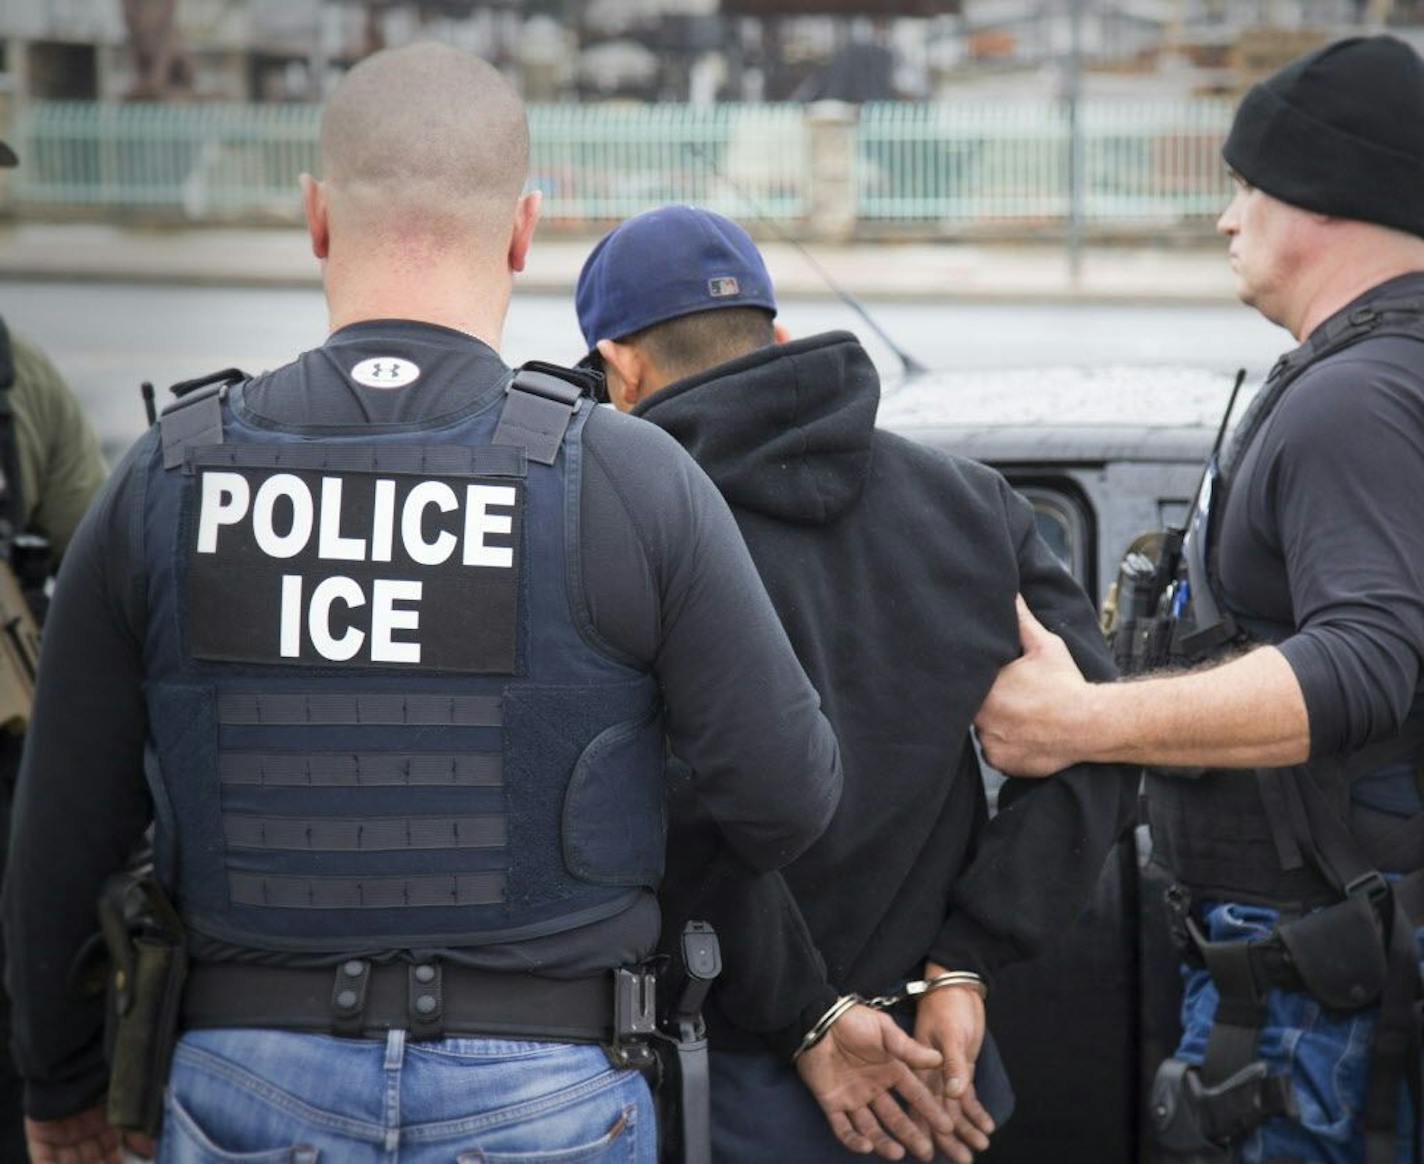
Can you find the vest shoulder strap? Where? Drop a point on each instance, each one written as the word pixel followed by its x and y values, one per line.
pixel 539 406
pixel 195 417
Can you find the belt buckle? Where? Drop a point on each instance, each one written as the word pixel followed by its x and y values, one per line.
pixel 1371 886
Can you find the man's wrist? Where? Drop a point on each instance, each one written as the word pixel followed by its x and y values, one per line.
pixel 1091 725
pixel 823 1025
pixel 784 1041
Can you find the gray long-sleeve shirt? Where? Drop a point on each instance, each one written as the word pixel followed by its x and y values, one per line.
pixel 669 585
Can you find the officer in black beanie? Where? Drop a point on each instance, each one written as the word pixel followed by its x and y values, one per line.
pixel 1292 816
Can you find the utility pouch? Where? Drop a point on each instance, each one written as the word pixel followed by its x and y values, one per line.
pixel 1199 1122
pixel 149 961
pixel 1339 954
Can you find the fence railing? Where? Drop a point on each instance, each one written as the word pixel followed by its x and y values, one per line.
pixel 1009 162
pixel 948 166
pixel 594 162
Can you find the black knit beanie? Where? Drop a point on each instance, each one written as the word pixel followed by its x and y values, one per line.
pixel 1339 131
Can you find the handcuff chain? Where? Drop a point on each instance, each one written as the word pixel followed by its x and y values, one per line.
pixel 926 985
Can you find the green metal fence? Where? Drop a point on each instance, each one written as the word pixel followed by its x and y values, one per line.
pixel 598 162
pixel 951 165
pixel 1009 162
pixel 201 161
pixel 236 161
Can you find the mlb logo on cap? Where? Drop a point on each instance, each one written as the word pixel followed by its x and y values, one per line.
pixel 666 263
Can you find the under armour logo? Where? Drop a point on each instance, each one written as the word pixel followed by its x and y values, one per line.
pixel 385 372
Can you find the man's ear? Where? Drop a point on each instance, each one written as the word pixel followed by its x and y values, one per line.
pixel 526 218
pixel 779 334
pixel 625 370
pixel 314 207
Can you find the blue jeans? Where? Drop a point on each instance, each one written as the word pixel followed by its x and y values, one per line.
pixel 258 1097
pixel 1325 1054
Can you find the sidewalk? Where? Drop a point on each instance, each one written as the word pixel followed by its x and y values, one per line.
pixel 913 271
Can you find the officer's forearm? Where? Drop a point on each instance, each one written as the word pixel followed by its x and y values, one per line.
pixel 1246 713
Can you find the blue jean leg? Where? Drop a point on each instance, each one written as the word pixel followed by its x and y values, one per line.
pixel 1325 1054
pixel 260 1097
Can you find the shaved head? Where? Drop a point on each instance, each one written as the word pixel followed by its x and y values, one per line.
pixel 427 142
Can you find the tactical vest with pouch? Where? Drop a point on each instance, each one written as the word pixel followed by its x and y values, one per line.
pixel 378 717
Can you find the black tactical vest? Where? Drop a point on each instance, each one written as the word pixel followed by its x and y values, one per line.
pixel 1223 833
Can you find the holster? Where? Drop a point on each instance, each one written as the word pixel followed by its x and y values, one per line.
pixel 684 1095
pixel 148 965
pixel 1194 1122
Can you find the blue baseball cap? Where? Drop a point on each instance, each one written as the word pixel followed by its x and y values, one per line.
pixel 666 263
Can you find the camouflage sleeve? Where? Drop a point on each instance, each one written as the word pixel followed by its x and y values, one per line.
pixel 61 467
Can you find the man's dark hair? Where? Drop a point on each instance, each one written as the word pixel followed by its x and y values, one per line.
pixel 693 343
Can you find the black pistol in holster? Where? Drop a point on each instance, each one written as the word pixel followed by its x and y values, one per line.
pixel 658 1030
pixel 148 965
pixel 681 1047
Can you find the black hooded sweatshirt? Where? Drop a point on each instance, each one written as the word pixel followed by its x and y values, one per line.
pixel 893 568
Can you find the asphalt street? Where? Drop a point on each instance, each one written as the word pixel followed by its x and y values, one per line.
pixel 108 337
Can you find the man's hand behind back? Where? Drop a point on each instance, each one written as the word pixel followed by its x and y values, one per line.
pixel 85 1138
pixel 853 1071
pixel 951 1020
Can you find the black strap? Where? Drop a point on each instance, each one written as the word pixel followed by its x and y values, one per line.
pixel 357 998
pixel 194 419
pixel 1240 1008
pixel 539 406
pixel 1404 317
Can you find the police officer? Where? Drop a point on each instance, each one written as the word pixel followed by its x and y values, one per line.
pixel 384 644
pixel 50 469
pixel 1292 818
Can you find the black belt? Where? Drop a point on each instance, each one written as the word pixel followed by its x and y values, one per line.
pixel 428 999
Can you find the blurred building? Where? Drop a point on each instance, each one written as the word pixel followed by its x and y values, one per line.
pixel 696 51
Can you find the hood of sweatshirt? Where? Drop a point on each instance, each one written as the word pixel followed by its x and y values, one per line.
pixel 784 431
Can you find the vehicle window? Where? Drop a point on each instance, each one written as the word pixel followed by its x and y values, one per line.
pixel 1062 524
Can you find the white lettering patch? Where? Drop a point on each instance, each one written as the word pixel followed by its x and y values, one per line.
pixel 356 569
pixel 385 372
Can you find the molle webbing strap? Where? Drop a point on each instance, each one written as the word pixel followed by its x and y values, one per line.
pixel 425 460
pixel 421 710
pixel 327 835
pixel 285 892
pixel 362 769
pixel 538 408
